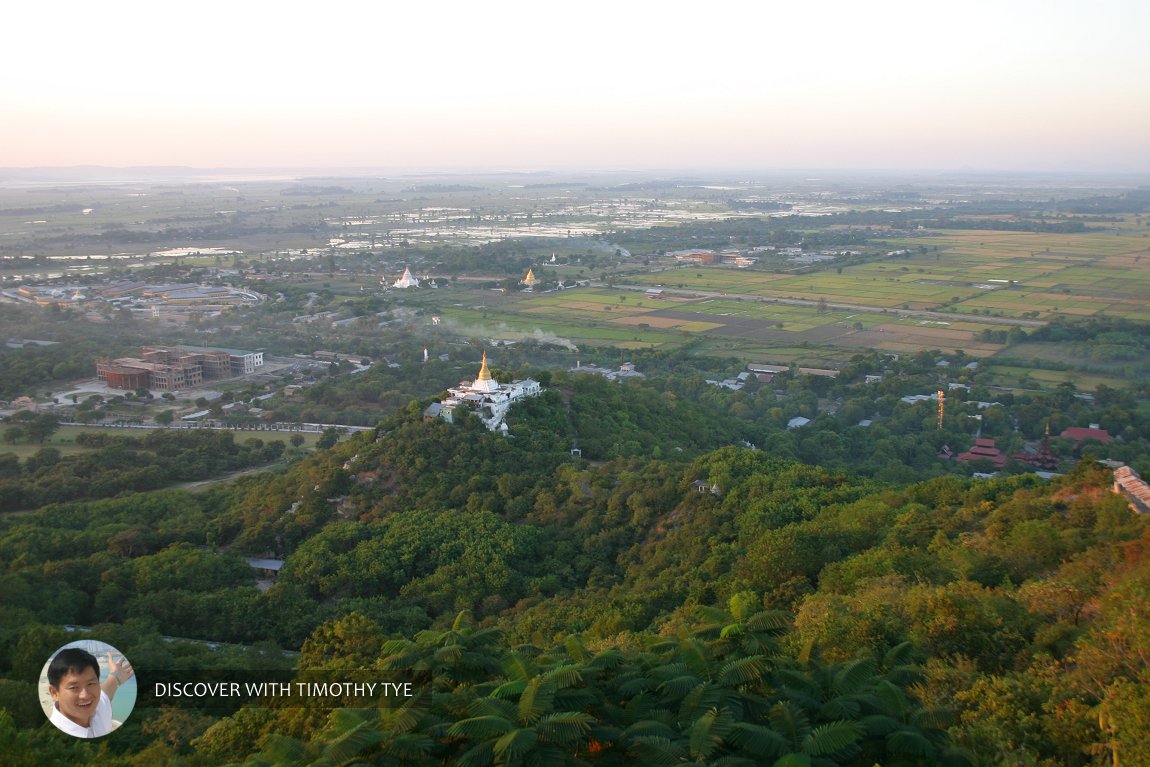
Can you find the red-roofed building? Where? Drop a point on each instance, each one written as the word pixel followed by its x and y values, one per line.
pixel 984 448
pixel 1079 433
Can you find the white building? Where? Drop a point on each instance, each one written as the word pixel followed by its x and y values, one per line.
pixel 486 397
pixel 408 280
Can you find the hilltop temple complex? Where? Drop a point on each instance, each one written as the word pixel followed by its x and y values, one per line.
pixel 485 397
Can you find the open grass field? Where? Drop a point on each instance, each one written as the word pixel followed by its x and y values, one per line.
pixel 64 439
pixel 1072 354
pixel 1008 375
pixel 580 325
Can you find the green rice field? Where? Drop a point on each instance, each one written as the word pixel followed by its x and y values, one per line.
pixel 980 275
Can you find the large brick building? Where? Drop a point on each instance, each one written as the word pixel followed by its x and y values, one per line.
pixel 180 367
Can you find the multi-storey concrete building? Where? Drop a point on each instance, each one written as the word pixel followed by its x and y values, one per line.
pixel 173 368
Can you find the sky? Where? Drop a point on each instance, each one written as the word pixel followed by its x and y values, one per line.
pixel 1008 85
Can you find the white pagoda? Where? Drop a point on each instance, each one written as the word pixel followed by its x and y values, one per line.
pixel 408 280
pixel 486 397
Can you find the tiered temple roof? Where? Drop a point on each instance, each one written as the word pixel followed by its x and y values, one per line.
pixel 1044 458
pixel 984 448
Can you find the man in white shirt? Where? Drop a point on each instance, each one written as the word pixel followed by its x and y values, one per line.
pixel 83 706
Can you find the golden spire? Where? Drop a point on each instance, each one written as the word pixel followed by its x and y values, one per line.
pixel 484 373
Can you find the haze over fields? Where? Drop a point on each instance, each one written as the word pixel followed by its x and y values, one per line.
pixel 1018 86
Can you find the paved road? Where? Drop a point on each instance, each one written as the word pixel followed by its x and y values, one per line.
pixel 254 428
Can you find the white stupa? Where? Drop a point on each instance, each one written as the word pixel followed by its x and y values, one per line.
pixel 408 280
pixel 484 383
pixel 485 397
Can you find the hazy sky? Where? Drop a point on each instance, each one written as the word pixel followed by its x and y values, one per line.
pixel 1002 85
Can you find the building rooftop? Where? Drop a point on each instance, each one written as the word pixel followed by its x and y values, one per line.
pixel 1079 433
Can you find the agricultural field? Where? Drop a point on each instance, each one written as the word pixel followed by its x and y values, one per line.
pixel 745 327
pixel 1034 378
pixel 1008 274
pixel 1046 275
pixel 982 275
pixel 581 320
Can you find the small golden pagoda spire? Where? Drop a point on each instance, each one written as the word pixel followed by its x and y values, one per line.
pixel 484 373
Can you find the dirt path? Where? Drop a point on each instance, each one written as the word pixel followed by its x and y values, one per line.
pixel 203 484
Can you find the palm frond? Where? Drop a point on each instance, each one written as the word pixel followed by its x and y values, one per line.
pixel 656 751
pixel 352 743
pixel 680 686
pixel 694 654
pixel 610 658
pixel 575 648
pixel 565 727
pixel 772 621
pixel 462 621
pixel 790 722
pixel 537 699
pixel 853 676
pixel 518 666
pixel 649 728
pixel 514 745
pixel 742 671
pixel 510 690
pixel 480 755
pixel 707 733
pixel 900 655
pixel 564 676
pixel 845 707
pixel 835 736
pixel 629 688
pixel 878 725
pixel 409 746
pixel 480 727
pixel 893 699
pixel 933 718
pixel 761 741
pixel 910 742
pixel 733 631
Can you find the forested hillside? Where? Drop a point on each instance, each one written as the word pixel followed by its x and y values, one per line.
pixel 672 601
